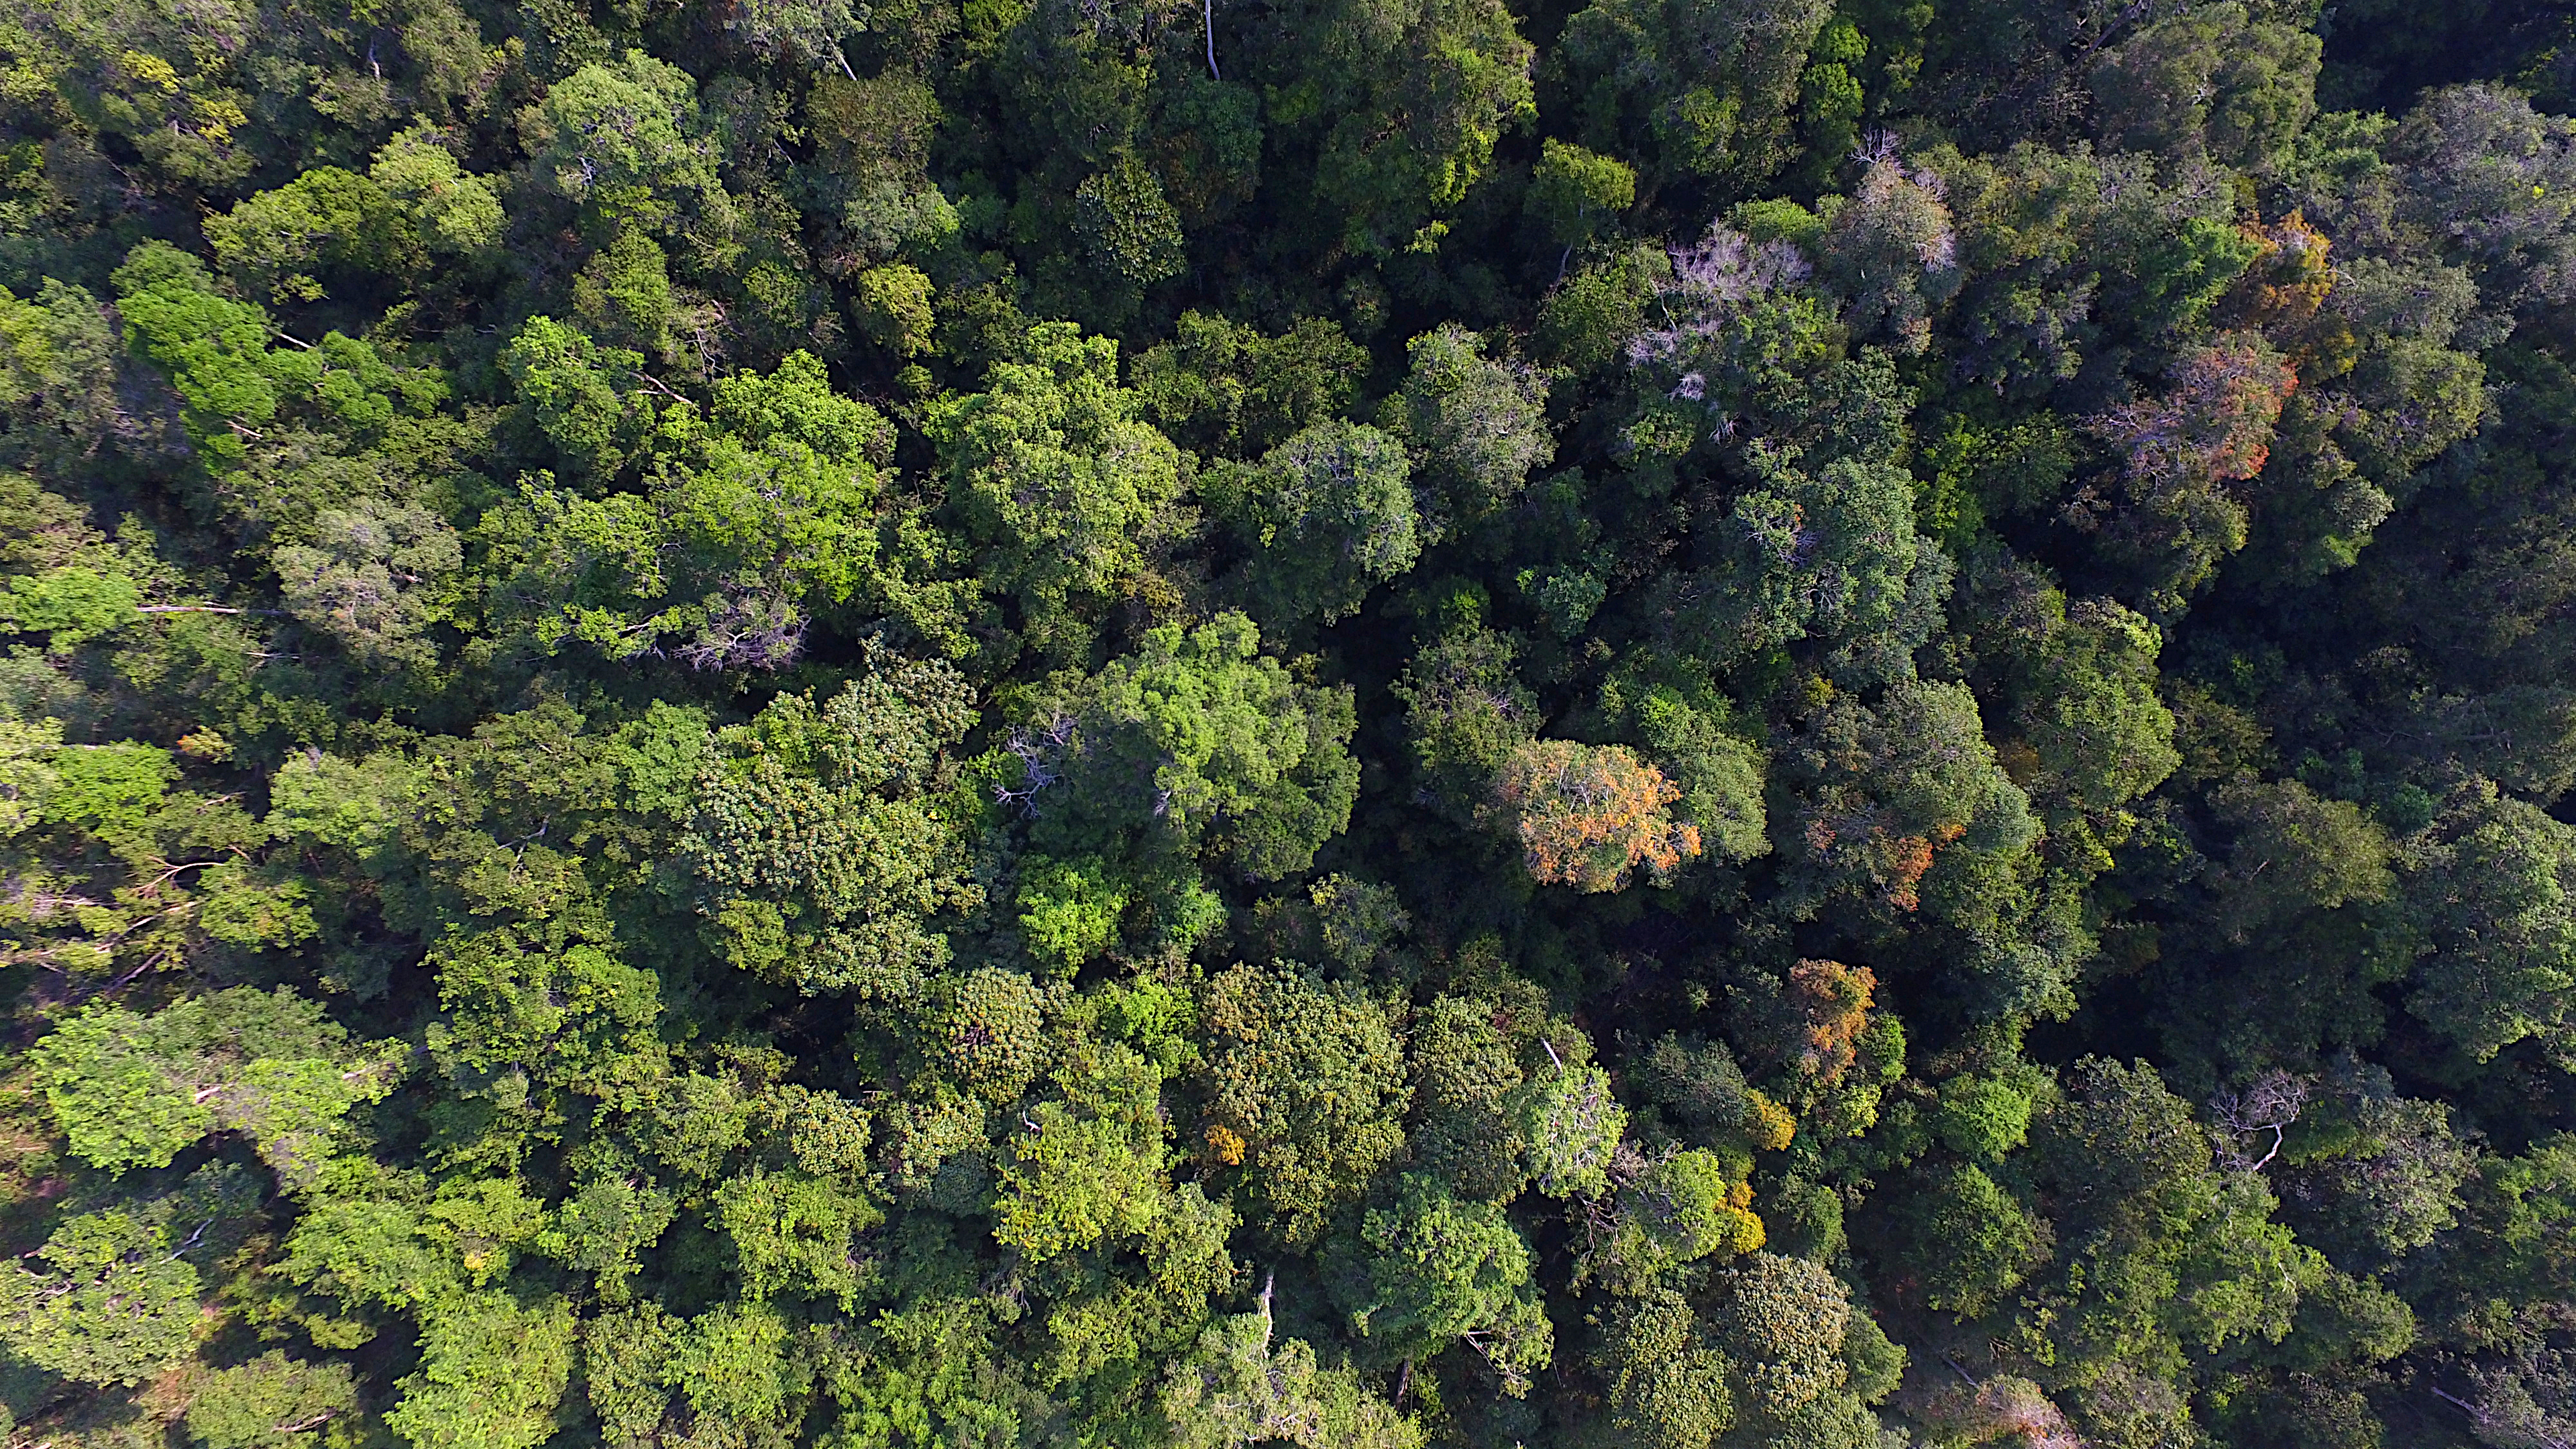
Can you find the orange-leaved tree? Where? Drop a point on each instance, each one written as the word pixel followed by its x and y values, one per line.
pixel 1833 1001
pixel 2211 429
pixel 1586 815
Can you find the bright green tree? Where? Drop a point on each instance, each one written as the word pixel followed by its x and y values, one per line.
pixel 134 1091
pixel 1439 1271
pixel 105 1300
pixel 1197 746
pixel 1063 491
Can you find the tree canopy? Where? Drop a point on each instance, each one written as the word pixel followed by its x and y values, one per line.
pixel 1355 724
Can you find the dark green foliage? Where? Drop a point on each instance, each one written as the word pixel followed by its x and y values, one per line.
pixel 1405 102
pixel 1434 1270
pixel 1225 388
pixel 1467 711
pixel 1474 422
pixel 1691 90
pixel 2502 955
pixel 1058 484
pixel 1329 513
pixel 2216 82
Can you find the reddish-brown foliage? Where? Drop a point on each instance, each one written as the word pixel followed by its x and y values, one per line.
pixel 1832 1001
pixel 2003 1411
pixel 1587 815
pixel 2282 295
pixel 1903 859
pixel 2215 425
pixel 1859 839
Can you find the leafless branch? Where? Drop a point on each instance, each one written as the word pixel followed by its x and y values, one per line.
pixel 2269 1103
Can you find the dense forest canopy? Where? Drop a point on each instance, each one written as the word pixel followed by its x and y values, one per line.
pixel 1353 724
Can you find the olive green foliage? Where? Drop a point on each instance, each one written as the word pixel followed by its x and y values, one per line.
pixel 1467 1072
pixel 1667 1384
pixel 270 1402
pixel 1572 1124
pixel 1801 1355
pixel 894 308
pixel 1127 228
pixel 1309 1077
pixel 105 1301
pixel 1237 1388
pixel 1091 1167
pixel 821 839
pixel 1355 724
